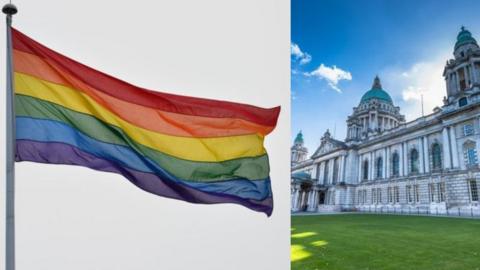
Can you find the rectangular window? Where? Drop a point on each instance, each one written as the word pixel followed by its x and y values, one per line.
pixel 379 195
pixel 416 193
pixel 390 194
pixel 396 192
pixel 471 156
pixel 374 196
pixel 431 192
pixel 408 192
pixel 468 130
pixel 359 196
pixel 365 196
pixel 441 192
pixel 473 190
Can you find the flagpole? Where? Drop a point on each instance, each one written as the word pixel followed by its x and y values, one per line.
pixel 9 10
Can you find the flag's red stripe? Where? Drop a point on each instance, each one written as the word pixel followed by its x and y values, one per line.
pixel 175 124
pixel 162 101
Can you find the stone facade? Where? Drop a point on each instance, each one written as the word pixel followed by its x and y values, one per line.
pixel 429 164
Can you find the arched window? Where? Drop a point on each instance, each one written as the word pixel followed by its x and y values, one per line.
pixel 470 153
pixel 325 173
pixel 436 157
pixel 414 161
pixel 365 170
pixel 335 170
pixel 395 164
pixel 379 167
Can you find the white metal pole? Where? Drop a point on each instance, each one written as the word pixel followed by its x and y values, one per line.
pixel 10 10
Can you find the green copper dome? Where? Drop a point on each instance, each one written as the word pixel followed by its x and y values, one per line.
pixel 299 138
pixel 464 37
pixel 376 93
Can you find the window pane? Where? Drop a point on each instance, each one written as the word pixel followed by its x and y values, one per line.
pixel 431 191
pixel 414 161
pixel 365 170
pixel 436 156
pixel 474 190
pixel 395 164
pixel 468 129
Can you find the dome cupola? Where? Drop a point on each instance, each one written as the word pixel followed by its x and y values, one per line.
pixel 299 138
pixel 376 92
pixel 464 38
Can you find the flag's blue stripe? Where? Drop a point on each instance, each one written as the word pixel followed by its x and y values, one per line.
pixel 52 131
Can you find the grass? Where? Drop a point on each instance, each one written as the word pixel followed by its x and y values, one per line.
pixel 358 241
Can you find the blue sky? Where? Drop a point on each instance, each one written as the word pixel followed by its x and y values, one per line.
pixel 339 46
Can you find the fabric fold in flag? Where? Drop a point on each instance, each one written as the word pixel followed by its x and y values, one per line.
pixel 187 148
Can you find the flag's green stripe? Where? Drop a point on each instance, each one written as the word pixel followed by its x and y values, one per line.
pixel 250 168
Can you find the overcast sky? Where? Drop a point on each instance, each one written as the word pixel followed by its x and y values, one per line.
pixel 76 218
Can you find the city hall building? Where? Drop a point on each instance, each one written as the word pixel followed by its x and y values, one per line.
pixel 429 164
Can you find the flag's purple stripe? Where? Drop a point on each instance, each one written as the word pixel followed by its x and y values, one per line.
pixel 59 153
pixel 56 131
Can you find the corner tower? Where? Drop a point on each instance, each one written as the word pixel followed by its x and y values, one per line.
pixel 375 114
pixel 298 151
pixel 462 74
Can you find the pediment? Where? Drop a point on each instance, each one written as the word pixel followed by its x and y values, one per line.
pixel 328 146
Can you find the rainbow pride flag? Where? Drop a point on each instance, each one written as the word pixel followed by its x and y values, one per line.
pixel 192 149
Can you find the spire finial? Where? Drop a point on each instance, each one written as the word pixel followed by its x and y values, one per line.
pixel 462 28
pixel 376 83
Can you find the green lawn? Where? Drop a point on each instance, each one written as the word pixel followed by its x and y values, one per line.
pixel 358 241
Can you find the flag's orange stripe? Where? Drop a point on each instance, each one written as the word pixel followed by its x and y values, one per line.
pixel 144 97
pixel 156 120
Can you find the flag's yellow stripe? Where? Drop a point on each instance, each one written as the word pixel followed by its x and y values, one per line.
pixel 196 149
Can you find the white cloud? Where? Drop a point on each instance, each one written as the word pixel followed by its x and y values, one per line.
pixel 423 78
pixel 333 75
pixel 299 55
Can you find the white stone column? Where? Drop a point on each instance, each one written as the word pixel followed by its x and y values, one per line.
pixel 318 172
pixel 360 161
pixel 302 201
pixel 447 83
pixel 296 199
pixel 405 159
pixel 384 165
pixel 466 76
pixel 471 67
pixel 420 155
pixel 340 172
pixel 453 145
pixel 475 73
pixel 453 84
pixel 426 156
pixel 320 176
pixel 387 161
pixel 310 200
pixel 370 167
pixel 313 174
pixel 446 149
pixel 457 81
pixel 330 170
pixel 292 199
pixel 400 167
